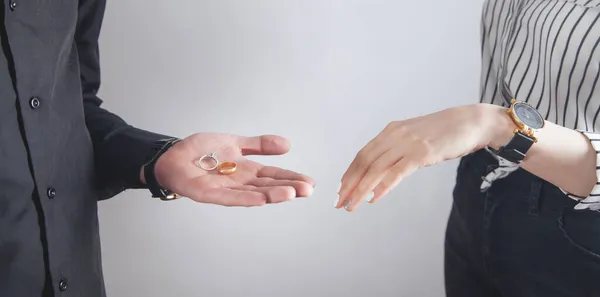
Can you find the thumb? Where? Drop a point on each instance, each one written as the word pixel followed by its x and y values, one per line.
pixel 264 145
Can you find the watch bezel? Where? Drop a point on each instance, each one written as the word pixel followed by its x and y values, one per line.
pixel 522 127
pixel 533 110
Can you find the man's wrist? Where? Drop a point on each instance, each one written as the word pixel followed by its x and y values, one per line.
pixel 150 172
pixel 142 177
pixel 157 162
pixel 157 167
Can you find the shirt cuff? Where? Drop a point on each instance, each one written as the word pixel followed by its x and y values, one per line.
pixel 591 202
pixel 122 155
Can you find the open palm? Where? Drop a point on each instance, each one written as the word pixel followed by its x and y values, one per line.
pixel 253 184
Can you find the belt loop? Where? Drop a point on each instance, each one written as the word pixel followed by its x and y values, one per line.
pixel 534 196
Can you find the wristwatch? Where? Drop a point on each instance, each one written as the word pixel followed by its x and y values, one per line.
pixel 528 121
pixel 161 147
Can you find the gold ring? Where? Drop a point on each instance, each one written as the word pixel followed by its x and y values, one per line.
pixel 226 168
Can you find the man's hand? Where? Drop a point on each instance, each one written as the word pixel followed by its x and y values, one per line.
pixel 253 184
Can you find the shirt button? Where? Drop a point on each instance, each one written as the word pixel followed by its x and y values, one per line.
pixel 62 285
pixel 34 102
pixel 51 192
pixel 13 4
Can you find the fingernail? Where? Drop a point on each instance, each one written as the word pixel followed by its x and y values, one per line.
pixel 347 206
pixel 338 194
pixel 370 197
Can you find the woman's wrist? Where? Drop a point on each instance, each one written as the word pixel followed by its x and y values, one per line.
pixel 498 127
pixel 562 156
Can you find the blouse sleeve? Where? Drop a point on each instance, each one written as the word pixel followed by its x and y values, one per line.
pixel 592 201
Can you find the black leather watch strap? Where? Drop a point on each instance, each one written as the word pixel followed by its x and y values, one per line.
pixel 155 188
pixel 516 149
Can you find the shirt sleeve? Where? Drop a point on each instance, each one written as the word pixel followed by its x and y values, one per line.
pixel 591 202
pixel 120 150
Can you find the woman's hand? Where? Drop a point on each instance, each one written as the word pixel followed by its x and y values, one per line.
pixel 404 146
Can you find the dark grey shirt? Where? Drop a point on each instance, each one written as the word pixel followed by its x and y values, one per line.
pixel 60 152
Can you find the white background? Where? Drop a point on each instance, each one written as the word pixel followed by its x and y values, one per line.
pixel 328 75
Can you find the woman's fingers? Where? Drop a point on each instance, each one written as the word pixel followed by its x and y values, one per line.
pixel 372 176
pixel 361 163
pixel 394 176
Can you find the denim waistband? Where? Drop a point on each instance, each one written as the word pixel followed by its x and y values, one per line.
pixel 519 183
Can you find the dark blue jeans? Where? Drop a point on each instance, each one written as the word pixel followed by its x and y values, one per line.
pixel 521 238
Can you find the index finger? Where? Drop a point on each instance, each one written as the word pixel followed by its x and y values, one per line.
pixel 284 174
pixel 263 145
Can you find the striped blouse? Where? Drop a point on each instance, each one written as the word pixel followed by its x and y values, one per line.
pixel 547 53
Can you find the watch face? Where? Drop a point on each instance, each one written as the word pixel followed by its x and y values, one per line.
pixel 529 115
